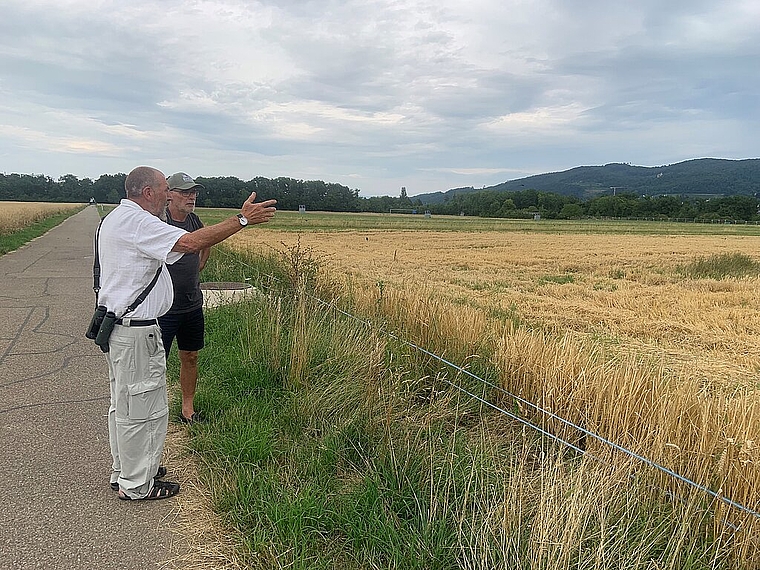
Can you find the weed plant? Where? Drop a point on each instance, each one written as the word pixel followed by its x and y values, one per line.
pixel 557 279
pixel 334 445
pixel 722 266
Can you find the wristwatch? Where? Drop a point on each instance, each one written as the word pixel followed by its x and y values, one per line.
pixel 243 220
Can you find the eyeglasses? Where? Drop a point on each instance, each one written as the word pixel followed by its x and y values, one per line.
pixel 186 192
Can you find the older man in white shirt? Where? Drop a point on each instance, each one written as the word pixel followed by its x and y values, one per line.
pixel 133 244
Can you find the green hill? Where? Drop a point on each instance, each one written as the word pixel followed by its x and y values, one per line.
pixel 704 177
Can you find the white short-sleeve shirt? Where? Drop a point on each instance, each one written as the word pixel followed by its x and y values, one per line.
pixel 133 244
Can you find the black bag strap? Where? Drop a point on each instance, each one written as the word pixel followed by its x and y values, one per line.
pixel 96 265
pixel 96 277
pixel 141 296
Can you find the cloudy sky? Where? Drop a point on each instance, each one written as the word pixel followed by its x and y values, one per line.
pixel 375 94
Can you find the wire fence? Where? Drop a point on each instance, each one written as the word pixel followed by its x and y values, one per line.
pixel 716 495
pixel 719 221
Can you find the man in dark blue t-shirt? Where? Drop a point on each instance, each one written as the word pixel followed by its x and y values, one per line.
pixel 184 321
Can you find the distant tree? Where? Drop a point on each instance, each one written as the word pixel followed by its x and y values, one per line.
pixel 507 209
pixel 618 206
pixel 109 188
pixel 571 212
pixel 737 207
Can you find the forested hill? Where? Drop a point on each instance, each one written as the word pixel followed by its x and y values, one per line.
pixel 700 178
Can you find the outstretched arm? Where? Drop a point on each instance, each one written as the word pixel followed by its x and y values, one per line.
pixel 204 238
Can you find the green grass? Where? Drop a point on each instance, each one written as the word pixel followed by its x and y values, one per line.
pixel 332 446
pixel 334 221
pixel 722 266
pixel 556 279
pixel 14 240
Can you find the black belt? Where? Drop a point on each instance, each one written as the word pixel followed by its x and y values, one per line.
pixel 137 322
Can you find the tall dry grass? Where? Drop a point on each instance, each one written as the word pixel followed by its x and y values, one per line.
pixel 17 215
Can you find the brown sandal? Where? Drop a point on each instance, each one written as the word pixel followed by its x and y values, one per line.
pixel 160 490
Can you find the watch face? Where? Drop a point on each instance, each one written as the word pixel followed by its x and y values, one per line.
pixel 242 219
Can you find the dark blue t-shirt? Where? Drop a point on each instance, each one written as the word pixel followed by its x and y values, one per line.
pixel 185 272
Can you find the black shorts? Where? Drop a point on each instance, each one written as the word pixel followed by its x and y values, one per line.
pixel 187 328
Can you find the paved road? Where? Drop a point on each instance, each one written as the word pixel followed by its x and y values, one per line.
pixel 58 509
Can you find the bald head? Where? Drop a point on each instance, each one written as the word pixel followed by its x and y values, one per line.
pixel 141 177
pixel 147 187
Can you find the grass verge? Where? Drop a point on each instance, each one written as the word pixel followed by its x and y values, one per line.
pixel 14 240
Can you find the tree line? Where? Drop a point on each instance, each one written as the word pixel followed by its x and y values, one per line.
pixel 316 195
pixel 528 203
pixel 220 192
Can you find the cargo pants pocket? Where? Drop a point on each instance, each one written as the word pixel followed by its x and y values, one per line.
pixel 148 400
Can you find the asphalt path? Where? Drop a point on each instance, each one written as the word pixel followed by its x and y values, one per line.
pixel 58 508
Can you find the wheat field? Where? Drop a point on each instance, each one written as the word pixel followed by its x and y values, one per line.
pixel 17 215
pixel 606 331
pixel 626 289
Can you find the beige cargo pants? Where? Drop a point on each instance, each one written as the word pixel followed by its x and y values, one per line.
pixel 139 413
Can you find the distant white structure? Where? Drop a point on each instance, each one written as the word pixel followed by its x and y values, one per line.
pixel 301 209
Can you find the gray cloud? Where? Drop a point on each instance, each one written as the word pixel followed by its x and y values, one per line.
pixel 374 95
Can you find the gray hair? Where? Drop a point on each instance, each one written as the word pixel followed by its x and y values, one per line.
pixel 139 178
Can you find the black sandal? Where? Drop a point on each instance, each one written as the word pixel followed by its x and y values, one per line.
pixel 160 490
pixel 161 473
pixel 196 418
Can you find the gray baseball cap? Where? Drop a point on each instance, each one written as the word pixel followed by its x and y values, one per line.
pixel 182 181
